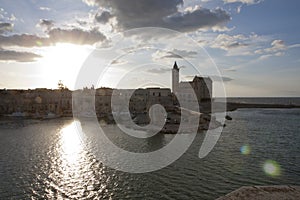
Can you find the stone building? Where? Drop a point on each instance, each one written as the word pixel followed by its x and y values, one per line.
pixel 103 101
pixel 38 102
pixel 140 100
pixel 200 86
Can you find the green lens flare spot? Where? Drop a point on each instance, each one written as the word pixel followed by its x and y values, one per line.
pixel 245 150
pixel 271 168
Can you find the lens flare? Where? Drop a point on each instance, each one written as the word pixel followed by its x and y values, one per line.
pixel 39 43
pixel 271 168
pixel 245 150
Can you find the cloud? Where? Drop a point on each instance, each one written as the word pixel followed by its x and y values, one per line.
pixel 74 36
pixel 9 55
pixel 103 17
pixel 23 40
pixel 197 19
pixel 294 46
pixel 277 49
pixel 250 45
pixel 175 53
pixel 139 8
pixel 246 45
pixel 276 45
pixel 265 57
pixel 12 17
pixel 5 27
pixel 228 42
pixel 243 2
pixel 231 69
pixel 157 13
pixel 45 8
pixel 248 2
pixel 236 45
pixel 5 16
pixel 159 71
pixel 45 23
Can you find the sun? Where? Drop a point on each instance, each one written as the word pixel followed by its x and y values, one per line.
pixel 63 62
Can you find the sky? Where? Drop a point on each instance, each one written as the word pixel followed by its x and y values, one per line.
pixel 253 46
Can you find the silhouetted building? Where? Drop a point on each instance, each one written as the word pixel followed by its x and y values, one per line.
pixel 40 102
pixel 200 86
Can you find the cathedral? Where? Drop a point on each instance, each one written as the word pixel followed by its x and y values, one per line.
pixel 202 86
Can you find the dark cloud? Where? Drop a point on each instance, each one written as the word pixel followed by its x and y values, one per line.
pixel 161 13
pixel 47 24
pixel 74 36
pixel 200 18
pixel 9 55
pixel 5 27
pixel 23 40
pixel 159 71
pixel 236 45
pixel 103 17
pixel 82 22
pixel 141 13
pixel 176 53
pixel 139 8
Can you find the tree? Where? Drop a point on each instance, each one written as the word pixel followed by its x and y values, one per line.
pixel 61 86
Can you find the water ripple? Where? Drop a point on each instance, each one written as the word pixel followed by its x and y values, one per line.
pixel 46 161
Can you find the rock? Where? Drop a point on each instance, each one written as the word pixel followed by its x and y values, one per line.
pixel 227 117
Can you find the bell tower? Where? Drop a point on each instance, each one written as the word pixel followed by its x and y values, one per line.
pixel 175 78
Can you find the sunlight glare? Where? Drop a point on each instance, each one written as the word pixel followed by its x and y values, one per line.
pixel 62 62
pixel 71 143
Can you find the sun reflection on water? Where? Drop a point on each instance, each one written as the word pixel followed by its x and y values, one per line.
pixel 77 174
pixel 71 144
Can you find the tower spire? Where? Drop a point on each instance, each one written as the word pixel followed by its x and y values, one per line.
pixel 175 78
pixel 175 66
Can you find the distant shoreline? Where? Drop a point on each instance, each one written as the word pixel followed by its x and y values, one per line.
pixel 235 106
